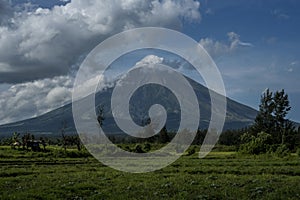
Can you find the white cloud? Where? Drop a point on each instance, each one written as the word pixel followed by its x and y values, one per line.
pixel 280 14
pixel 30 99
pixel 25 100
pixel 44 43
pixel 58 94
pixel 292 66
pixel 217 48
pixel 235 41
pixel 214 48
pixel 150 59
pixel 176 63
pixel 40 47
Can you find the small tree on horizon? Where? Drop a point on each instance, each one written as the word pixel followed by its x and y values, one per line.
pixel 163 135
pixel 100 115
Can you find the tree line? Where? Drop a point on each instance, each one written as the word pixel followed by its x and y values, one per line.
pixel 272 131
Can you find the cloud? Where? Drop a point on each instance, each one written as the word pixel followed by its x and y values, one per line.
pixel 25 100
pixel 217 48
pixel 236 42
pixel 40 48
pixel 292 66
pixel 40 96
pixel 214 48
pixel 280 14
pixel 209 11
pixel 173 61
pixel 44 43
pixel 150 59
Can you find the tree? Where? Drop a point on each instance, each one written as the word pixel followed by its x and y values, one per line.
pixel 15 137
pixel 64 137
pixel 100 115
pixel 264 120
pixel 199 138
pixel 26 140
pixel 232 137
pixel 271 117
pixel 138 149
pixel 163 135
pixel 283 126
pixel 15 140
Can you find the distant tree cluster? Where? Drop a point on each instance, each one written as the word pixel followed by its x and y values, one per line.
pixel 163 137
pixel 69 140
pixel 26 142
pixel 271 117
pixel 233 137
pixel 272 131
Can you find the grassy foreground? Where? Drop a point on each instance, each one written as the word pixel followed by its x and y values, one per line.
pixel 221 175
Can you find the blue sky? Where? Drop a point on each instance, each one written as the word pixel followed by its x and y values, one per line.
pixel 273 29
pixel 254 43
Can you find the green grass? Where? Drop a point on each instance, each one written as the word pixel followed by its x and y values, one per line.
pixel 221 175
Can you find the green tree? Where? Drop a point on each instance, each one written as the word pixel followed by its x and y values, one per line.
pixel 64 138
pixel 138 149
pixel 264 120
pixel 199 138
pixel 163 135
pixel 15 137
pixel 100 115
pixel 283 126
pixel 271 117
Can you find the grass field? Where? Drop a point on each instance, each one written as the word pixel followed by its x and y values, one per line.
pixel 221 175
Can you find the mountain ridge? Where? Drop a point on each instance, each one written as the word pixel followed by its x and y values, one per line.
pixel 238 115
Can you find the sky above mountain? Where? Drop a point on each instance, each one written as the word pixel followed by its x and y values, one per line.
pixel 254 43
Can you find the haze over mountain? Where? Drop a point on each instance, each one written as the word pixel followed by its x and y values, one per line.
pixel 51 123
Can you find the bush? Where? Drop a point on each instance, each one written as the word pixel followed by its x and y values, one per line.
pixel 246 138
pixel 298 151
pixel 127 148
pixel 282 151
pixel 59 153
pixel 191 151
pixel 257 145
pixel 147 147
pixel 138 149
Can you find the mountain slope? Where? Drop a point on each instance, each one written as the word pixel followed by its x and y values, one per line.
pixel 238 115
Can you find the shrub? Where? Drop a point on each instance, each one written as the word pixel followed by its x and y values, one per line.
pixel 127 148
pixel 138 149
pixel 282 151
pixel 246 137
pixel 59 153
pixel 191 151
pixel 298 151
pixel 147 147
pixel 257 145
